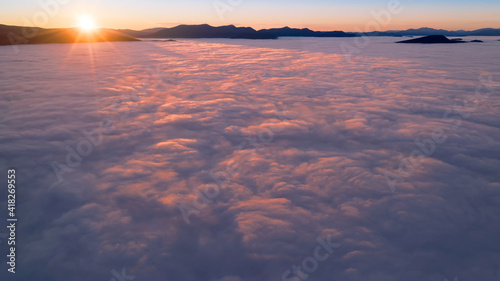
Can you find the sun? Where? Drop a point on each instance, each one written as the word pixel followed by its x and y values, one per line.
pixel 87 23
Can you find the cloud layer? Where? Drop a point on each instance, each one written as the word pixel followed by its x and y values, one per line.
pixel 295 145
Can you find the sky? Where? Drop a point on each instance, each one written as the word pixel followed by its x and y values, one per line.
pixel 315 14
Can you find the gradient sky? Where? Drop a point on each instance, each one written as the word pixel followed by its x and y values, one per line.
pixel 316 14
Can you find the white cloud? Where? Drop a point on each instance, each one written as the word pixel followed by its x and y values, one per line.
pixel 343 126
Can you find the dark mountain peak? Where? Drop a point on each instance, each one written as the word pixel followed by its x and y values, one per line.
pixel 423 29
pixel 208 31
pixel 432 39
pixel 305 32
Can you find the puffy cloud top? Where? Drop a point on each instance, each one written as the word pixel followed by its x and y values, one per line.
pixel 264 150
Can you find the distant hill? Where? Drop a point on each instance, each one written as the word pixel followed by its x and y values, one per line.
pixel 486 32
pixel 13 35
pixel 140 33
pixel 306 32
pixel 432 39
pixel 208 31
pixel 425 31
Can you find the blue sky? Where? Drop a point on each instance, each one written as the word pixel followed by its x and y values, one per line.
pixel 318 14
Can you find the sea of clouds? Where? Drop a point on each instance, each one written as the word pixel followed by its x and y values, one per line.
pixel 220 160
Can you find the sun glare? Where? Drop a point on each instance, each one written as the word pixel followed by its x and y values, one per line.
pixel 86 23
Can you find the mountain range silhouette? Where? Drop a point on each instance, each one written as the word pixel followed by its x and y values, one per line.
pixel 12 35
pixel 231 31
